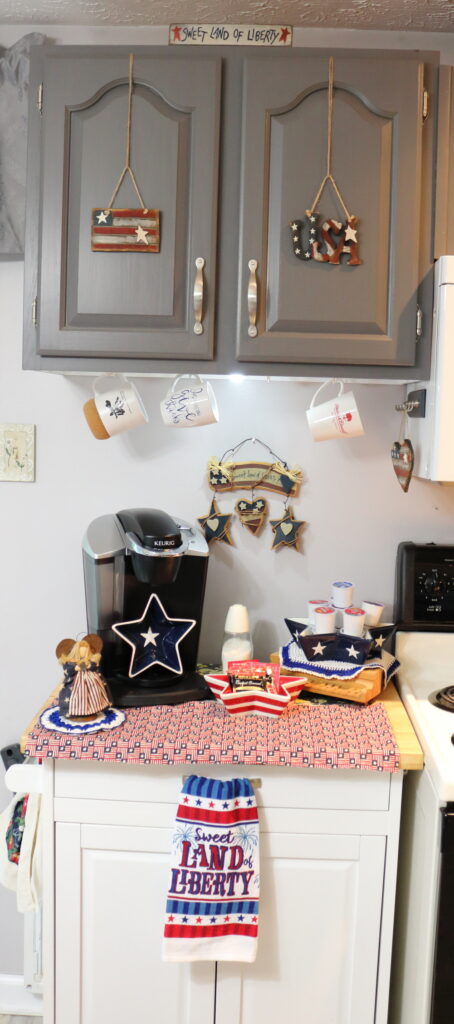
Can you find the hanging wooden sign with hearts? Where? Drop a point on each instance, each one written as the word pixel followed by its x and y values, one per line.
pixel 403 459
pixel 252 514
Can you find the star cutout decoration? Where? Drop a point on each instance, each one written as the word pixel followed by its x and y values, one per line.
pixel 381 637
pixel 318 649
pixel 215 526
pixel 352 652
pixel 286 530
pixel 102 216
pixel 307 255
pixel 168 633
pixel 149 637
pixel 350 234
pixel 294 225
pixel 142 236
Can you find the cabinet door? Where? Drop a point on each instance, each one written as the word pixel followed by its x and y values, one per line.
pixel 111 884
pixel 130 304
pixel 319 934
pixel 318 312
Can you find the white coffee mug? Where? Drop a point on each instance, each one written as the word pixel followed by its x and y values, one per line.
pixel 337 418
pixel 190 402
pixel 116 406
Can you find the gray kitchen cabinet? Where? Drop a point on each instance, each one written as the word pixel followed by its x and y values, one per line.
pixel 123 304
pixel 308 310
pixel 128 311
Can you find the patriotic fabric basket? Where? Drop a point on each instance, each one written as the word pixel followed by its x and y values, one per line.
pixel 256 702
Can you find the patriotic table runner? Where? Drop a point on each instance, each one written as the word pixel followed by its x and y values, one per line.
pixel 202 732
pixel 213 898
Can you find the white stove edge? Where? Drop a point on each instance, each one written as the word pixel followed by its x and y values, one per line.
pixel 427 664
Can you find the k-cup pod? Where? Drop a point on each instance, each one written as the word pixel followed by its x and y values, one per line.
pixel 311 606
pixel 338 418
pixel 342 594
pixel 116 406
pixel 354 619
pixel 324 619
pixel 374 612
pixel 190 402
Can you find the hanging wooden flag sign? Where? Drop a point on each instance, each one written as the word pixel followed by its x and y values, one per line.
pixel 125 230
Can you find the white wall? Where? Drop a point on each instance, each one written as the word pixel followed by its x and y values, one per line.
pixel 354 507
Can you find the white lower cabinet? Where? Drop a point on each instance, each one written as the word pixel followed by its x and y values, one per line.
pixel 328 868
pixel 319 935
pixel 112 882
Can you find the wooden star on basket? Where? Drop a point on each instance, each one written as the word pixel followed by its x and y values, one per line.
pixel 286 530
pixel 216 526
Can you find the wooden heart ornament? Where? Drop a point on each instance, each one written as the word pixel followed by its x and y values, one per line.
pixel 252 514
pixel 403 459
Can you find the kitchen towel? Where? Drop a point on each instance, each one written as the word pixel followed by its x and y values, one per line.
pixel 213 898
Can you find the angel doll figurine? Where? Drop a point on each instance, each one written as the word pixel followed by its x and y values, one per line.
pixel 84 693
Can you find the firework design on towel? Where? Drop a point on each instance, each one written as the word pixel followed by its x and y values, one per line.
pixel 213 898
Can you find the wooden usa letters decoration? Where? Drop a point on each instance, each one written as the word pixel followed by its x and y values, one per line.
pixel 328 243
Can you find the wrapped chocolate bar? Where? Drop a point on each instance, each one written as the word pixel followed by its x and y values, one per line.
pixel 252 675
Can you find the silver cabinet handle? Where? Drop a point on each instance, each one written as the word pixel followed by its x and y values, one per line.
pixel 252 298
pixel 198 295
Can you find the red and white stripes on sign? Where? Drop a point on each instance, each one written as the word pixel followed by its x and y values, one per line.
pixel 125 230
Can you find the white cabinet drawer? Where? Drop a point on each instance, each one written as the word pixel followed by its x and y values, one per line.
pixel 321 789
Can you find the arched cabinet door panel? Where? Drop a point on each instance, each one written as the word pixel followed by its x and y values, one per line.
pixel 133 303
pixel 310 310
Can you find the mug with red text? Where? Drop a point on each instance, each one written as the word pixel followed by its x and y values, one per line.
pixel 337 418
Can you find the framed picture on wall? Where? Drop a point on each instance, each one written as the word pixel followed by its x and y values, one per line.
pixel 17 452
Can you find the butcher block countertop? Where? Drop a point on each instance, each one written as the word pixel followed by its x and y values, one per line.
pixel 140 743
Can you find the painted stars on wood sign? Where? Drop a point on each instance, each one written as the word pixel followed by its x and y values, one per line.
pixel 328 243
pixel 125 230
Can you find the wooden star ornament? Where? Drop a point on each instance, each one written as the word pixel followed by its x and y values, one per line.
pixel 215 526
pixel 286 531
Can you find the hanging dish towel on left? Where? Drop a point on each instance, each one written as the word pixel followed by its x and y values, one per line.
pixel 213 898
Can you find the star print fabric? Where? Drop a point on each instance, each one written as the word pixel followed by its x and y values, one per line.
pixel 213 898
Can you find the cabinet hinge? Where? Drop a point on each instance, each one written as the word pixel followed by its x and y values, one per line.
pixel 35 311
pixel 418 322
pixel 39 98
pixel 425 105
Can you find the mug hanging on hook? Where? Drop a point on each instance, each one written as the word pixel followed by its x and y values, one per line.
pixel 336 419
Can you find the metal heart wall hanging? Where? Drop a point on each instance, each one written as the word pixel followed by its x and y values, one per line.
pixel 252 514
pixel 403 459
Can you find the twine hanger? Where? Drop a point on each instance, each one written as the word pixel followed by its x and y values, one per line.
pixel 127 169
pixel 329 145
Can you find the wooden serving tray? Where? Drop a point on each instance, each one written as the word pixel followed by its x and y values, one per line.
pixel 362 689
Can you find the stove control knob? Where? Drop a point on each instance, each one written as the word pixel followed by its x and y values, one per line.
pixel 435 585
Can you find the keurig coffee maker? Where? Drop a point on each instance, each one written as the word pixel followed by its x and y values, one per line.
pixel 145 575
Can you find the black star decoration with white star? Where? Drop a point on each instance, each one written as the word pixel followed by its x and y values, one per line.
pixel 154 638
pixel 216 526
pixel 286 530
